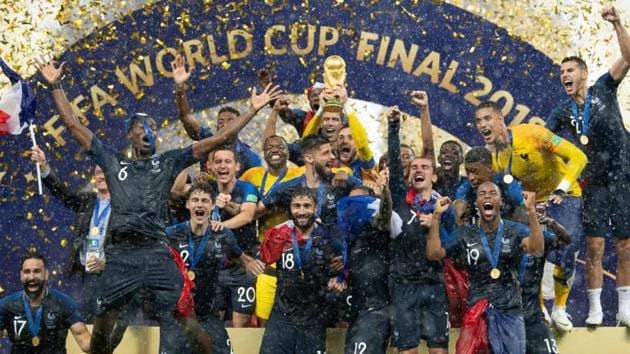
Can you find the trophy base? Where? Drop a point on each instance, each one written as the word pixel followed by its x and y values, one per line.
pixel 333 106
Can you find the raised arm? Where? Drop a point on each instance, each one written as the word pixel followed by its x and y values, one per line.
pixel 619 70
pixel 385 211
pixel 70 199
pixel 245 216
pixel 270 126
pixel 184 113
pixel 397 183
pixel 82 336
pixel 257 102
pixel 534 244
pixel 360 137
pixel 53 74
pixel 435 251
pixel 421 99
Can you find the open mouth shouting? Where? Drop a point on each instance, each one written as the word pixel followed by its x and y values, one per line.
pixel 200 214
pixel 569 85
pixel 486 133
pixel 488 211
pixel 33 287
pixel 345 152
pixel 223 175
pixel 330 132
pixel 448 163
pixel 418 179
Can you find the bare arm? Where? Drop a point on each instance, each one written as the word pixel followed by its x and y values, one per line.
pixel 82 336
pixel 206 145
pixel 620 68
pixel 233 207
pixel 385 211
pixel 459 205
pixel 435 251
pixel 53 75
pixel 270 126
pixel 534 244
pixel 184 113
pixel 180 187
pixel 244 217
pixel 421 99
pixel 561 233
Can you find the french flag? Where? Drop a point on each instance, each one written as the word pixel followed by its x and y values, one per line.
pixel 17 106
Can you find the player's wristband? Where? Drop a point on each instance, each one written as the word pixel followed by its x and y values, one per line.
pixel 559 192
pixel 564 185
pixel 56 86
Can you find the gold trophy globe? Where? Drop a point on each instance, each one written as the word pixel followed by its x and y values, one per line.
pixel 334 76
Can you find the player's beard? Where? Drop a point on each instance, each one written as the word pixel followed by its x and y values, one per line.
pixel 322 173
pixel 34 294
pixel 309 222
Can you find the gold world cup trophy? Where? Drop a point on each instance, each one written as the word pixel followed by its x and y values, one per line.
pixel 334 76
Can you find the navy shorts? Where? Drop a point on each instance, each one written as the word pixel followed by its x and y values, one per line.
pixel 131 270
pixel 369 332
pixel 568 214
pixel 607 210
pixel 420 312
pixel 237 287
pixel 506 332
pixel 540 340
pixel 283 337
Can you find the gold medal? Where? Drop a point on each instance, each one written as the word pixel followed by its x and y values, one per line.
pixel 583 139
pixel 35 341
pixel 495 273
pixel 94 231
pixel 508 179
pixel 191 275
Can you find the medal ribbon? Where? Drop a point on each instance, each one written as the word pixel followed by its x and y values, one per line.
pixel 296 248
pixel 584 120
pixel 195 254
pixel 493 257
pixel 215 216
pixel 320 199
pixel 264 182
pixel 100 217
pixel 33 324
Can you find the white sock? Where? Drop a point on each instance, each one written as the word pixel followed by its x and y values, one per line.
pixel 623 293
pixel 558 308
pixel 594 302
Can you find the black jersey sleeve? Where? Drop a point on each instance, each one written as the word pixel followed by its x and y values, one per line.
pixel 4 314
pixel 396 174
pixel 455 246
pixel 70 308
pixel 103 155
pixel 182 158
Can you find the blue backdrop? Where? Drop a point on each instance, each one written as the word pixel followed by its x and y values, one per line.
pixel 451 53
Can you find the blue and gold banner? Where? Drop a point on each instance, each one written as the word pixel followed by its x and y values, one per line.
pixel 390 48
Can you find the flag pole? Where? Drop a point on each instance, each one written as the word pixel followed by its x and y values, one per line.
pixel 39 171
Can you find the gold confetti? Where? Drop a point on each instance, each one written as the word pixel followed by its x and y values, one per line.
pixel 29 177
